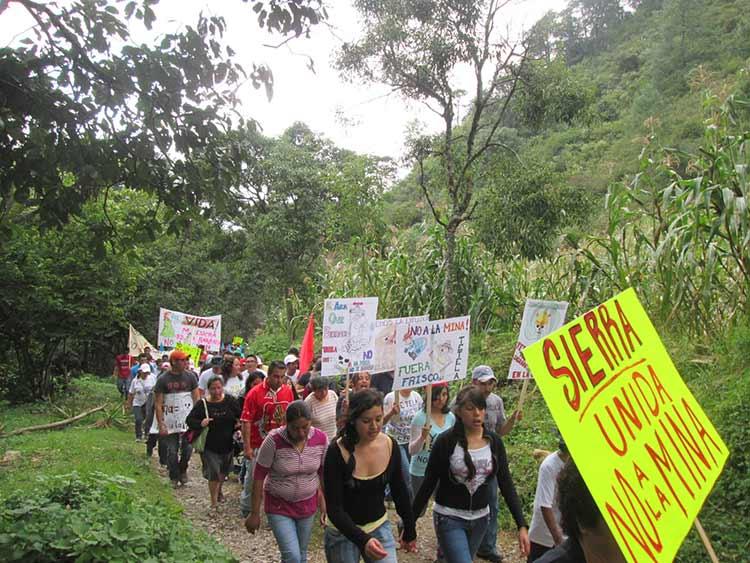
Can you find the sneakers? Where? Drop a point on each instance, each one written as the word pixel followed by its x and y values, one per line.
pixel 492 557
pixel 184 478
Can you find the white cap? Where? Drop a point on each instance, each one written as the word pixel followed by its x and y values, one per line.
pixel 145 368
pixel 291 358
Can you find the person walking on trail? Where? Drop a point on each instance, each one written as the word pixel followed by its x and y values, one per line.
pixel 175 393
pixel 263 411
pixel 213 370
pixel 140 388
pixel 546 532
pixel 121 374
pixel 358 466
pixel 400 407
pixel 462 463
pixel 495 420
pixel 359 381
pixel 290 463
pixel 441 420
pixel 291 363
pixel 153 432
pixel 217 413
pixel 231 371
pixel 322 402
pixel 589 537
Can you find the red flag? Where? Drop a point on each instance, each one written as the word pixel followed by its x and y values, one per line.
pixel 307 350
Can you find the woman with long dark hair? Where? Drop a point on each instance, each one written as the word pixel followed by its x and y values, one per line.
pixel 358 466
pixel 461 463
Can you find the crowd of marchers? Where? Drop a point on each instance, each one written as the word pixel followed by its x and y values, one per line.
pixel 339 451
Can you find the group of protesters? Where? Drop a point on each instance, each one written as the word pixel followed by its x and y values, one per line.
pixel 344 450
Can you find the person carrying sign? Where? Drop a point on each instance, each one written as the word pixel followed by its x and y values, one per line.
pixel 175 393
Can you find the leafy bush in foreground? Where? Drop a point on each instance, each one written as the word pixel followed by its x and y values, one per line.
pixel 96 518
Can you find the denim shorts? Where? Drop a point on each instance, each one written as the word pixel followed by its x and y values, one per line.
pixel 340 550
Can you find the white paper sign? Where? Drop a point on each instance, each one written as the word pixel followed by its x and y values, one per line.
pixel 348 335
pixel 385 341
pixel 176 408
pixel 175 327
pixel 431 352
pixel 540 318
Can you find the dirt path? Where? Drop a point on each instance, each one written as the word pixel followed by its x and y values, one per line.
pixel 227 526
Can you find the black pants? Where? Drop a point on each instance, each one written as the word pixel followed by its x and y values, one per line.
pixel 178 451
pixel 536 552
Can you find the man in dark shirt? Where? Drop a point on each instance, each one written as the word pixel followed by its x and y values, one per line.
pixel 589 539
pixel 175 393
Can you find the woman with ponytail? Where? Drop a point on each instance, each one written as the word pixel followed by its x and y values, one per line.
pixel 359 464
pixel 461 463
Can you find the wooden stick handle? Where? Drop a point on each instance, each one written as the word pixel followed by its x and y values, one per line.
pixel 427 412
pixel 523 395
pixel 706 541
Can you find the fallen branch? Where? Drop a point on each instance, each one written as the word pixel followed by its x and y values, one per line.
pixel 53 425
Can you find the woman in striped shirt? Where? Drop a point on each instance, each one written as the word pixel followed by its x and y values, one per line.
pixel 290 462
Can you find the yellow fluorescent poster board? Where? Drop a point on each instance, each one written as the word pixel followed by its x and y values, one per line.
pixel 193 351
pixel 647 451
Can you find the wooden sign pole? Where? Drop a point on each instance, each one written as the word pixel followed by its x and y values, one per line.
pixel 427 413
pixel 706 541
pixel 523 395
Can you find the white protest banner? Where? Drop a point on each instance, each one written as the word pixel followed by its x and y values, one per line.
pixel 177 327
pixel 540 318
pixel 385 341
pixel 137 343
pixel 431 352
pixel 348 335
pixel 176 408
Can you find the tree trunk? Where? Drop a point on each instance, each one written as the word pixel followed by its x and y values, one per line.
pixel 451 274
pixel 289 314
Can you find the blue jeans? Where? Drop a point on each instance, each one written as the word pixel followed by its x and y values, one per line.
pixel 177 450
pixel 341 550
pixel 246 496
pixel 139 415
pixel 489 542
pixel 459 539
pixel 292 535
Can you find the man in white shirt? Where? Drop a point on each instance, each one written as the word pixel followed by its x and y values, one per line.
pixel 292 368
pixel 546 532
pixel 213 371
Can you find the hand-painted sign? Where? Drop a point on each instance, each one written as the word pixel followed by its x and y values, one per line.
pixel 647 451
pixel 431 352
pixel 177 327
pixel 385 341
pixel 540 318
pixel 348 335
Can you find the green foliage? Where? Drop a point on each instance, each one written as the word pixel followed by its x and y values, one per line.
pixel 522 211
pixel 270 346
pixel 97 518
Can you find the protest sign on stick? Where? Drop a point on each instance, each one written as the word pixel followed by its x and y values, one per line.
pixel 647 451
pixel 176 408
pixel 431 352
pixel 175 327
pixel 385 341
pixel 348 330
pixel 193 351
pixel 137 343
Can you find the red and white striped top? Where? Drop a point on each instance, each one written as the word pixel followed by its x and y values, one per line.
pixel 291 477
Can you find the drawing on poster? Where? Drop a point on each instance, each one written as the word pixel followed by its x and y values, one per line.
pixel 348 335
pixel 540 318
pixel 384 345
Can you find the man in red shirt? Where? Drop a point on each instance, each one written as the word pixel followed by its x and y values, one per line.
pixel 121 373
pixel 263 410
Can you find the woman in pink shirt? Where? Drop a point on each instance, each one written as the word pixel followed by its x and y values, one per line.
pixel 291 457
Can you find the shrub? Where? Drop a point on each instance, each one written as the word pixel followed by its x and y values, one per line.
pixel 96 518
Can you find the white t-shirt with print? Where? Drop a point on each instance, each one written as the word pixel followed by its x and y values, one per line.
pixel 399 426
pixel 482 460
pixel 140 388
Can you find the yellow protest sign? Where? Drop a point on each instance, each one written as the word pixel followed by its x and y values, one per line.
pixel 647 451
pixel 193 351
